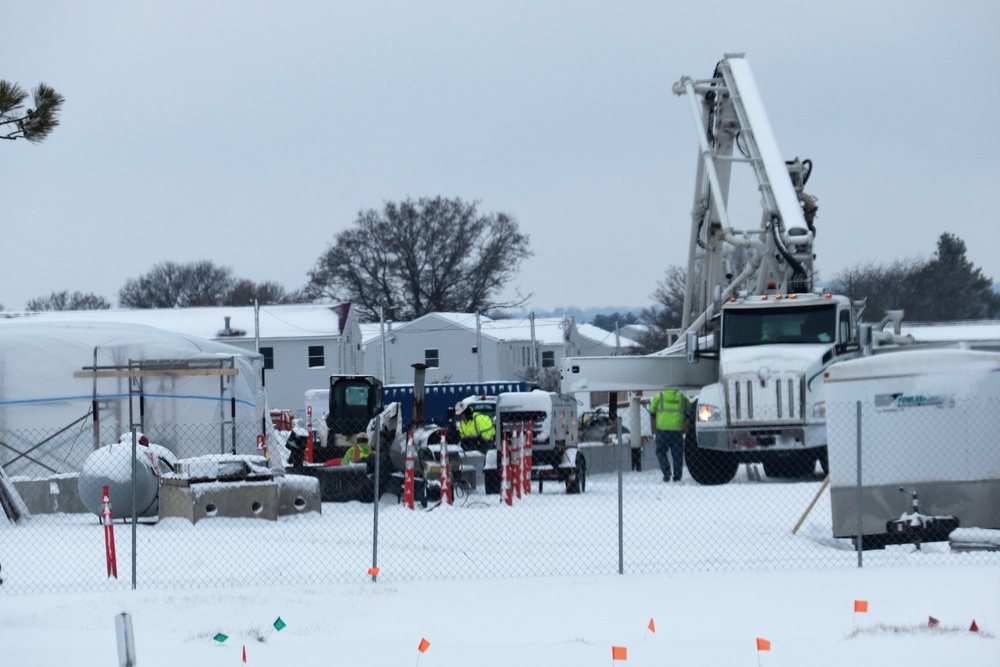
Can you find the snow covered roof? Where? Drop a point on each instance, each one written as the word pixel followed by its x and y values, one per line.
pixel 548 330
pixel 276 321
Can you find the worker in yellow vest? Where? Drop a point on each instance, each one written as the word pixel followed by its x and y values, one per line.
pixel 475 429
pixel 669 417
pixel 357 452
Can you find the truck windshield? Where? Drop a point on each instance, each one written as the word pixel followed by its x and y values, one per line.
pixel 767 326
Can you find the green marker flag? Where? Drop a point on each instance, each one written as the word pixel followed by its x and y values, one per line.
pixel 220 637
pixel 279 625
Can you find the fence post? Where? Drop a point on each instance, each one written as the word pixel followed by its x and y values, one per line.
pixel 861 548
pixel 621 521
pixel 378 475
pixel 135 510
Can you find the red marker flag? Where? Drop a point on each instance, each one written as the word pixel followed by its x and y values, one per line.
pixel 763 644
pixel 244 655
pixel 619 653
pixel 861 606
pixel 651 626
pixel 932 622
pixel 973 627
pixel 424 645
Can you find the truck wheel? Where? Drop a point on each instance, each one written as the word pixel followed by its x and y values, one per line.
pixel 824 461
pixel 707 466
pixel 491 481
pixel 794 466
pixel 578 482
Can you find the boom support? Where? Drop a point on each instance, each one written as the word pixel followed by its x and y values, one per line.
pixel 729 113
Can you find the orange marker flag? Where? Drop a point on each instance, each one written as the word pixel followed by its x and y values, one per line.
pixel 373 572
pixel 244 654
pixel 424 645
pixel 651 626
pixel 619 653
pixel 974 627
pixel 861 606
pixel 763 644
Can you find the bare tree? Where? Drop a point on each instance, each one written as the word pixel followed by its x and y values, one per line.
pixel 882 286
pixel 66 301
pixel 33 124
pixel 665 314
pixel 246 291
pixel 173 285
pixel 414 258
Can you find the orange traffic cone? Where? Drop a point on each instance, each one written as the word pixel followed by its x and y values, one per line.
pixel 109 533
pixel 505 486
pixel 446 491
pixel 528 440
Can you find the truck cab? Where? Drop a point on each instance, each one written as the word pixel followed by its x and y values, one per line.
pixel 768 405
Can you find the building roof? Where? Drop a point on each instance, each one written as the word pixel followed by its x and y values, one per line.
pixel 276 321
pixel 548 330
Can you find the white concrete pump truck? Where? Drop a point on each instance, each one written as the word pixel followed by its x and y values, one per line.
pixel 757 339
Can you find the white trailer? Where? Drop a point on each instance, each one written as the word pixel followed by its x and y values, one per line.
pixel 929 425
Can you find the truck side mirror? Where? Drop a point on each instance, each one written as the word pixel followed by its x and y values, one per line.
pixel 691 346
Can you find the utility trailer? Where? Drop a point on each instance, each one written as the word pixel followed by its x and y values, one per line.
pixel 927 426
pixel 555 454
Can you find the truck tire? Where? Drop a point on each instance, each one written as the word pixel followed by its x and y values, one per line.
pixel 824 461
pixel 578 482
pixel 709 467
pixel 491 481
pixel 796 465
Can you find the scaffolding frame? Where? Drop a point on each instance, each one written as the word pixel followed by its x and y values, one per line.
pixel 136 371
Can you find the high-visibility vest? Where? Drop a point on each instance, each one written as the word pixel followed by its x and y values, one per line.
pixel 356 453
pixel 670 407
pixel 480 425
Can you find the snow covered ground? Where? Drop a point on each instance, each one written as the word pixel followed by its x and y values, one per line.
pixel 710 571
pixel 699 619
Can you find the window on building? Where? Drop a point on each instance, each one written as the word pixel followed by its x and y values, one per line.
pixel 432 358
pixel 548 359
pixel 268 353
pixel 316 357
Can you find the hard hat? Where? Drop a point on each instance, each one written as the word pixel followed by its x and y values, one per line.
pixel 463 405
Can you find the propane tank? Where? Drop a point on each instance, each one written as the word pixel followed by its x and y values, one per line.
pixel 110 466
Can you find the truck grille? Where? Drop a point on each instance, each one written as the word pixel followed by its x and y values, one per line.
pixel 765 398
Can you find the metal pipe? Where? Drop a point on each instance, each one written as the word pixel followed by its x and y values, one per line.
pixel 419 373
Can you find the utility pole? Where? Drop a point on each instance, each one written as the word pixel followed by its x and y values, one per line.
pixel 479 346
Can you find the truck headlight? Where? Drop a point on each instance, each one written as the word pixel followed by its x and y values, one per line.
pixel 708 413
pixel 819 410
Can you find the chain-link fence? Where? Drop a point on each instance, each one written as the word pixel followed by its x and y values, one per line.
pixel 206 517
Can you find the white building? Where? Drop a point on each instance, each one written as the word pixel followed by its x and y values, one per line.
pixel 455 348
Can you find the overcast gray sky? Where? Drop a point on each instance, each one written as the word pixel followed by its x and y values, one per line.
pixel 249 133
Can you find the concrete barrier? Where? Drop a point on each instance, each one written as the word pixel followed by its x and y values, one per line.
pixel 202 500
pixel 248 499
pixel 51 495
